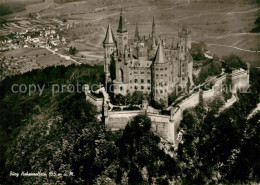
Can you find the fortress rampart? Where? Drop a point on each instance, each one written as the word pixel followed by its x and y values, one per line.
pixel 166 126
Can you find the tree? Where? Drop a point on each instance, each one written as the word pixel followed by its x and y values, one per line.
pixel 72 50
pixel 139 150
pixel 233 62
pixel 197 51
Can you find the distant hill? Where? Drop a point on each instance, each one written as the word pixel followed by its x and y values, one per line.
pixel 14 6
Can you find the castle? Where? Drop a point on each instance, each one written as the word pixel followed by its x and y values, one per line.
pixel 147 64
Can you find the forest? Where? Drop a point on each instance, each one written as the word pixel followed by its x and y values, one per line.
pixel 62 134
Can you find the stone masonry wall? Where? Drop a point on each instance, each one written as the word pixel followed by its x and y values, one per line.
pixel 167 126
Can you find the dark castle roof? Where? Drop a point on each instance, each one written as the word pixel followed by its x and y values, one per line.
pixel 121 25
pixel 137 37
pixel 160 57
pixel 109 38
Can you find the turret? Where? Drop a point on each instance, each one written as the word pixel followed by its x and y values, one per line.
pixel 184 72
pixel 153 27
pixel 160 80
pixel 108 44
pixel 160 57
pixel 185 37
pixel 153 35
pixel 122 35
pixel 137 38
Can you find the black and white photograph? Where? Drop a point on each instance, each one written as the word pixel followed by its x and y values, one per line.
pixel 136 92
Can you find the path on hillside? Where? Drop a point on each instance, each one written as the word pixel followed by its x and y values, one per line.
pixel 85 53
pixel 62 56
pixel 234 47
pixel 234 34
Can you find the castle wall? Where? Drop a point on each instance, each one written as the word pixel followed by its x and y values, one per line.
pixel 167 126
pixel 208 94
pixel 119 119
pixel 98 102
pixel 218 83
pixel 239 79
pixel 160 124
pixel 190 102
pixel 229 103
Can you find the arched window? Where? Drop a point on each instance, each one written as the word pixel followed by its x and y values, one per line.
pixel 121 75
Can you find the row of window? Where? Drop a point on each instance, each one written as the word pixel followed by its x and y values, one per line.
pixel 161 75
pixel 142 81
pixel 157 69
pixel 161 84
pixel 142 87
pixel 142 72
pixel 161 91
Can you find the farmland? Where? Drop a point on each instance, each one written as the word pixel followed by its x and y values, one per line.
pixel 224 26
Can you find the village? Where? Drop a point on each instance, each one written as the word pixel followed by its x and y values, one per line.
pixel 38 48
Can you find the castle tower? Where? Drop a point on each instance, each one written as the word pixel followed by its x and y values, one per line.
pixel 184 35
pixel 153 35
pixel 160 77
pixel 137 37
pixel 109 45
pixel 122 35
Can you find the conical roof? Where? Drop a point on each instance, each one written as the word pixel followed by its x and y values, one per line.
pixel 153 27
pixel 137 38
pixel 109 39
pixel 160 58
pixel 121 25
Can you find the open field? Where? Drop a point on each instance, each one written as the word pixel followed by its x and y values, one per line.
pixel 26 59
pixel 28 52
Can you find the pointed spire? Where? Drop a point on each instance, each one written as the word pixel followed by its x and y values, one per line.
pixel 160 58
pixel 153 27
pixel 153 35
pixel 109 38
pixel 153 42
pixel 137 38
pixel 121 25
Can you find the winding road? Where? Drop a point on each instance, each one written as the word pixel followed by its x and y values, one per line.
pixel 227 46
pixel 62 56
pixel 234 47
